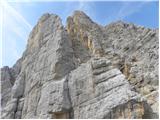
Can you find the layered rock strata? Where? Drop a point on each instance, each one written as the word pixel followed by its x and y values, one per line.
pixel 83 70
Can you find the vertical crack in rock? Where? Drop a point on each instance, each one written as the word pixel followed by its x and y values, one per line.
pixel 83 70
pixel 111 90
pixel 86 36
pixel 16 93
pixel 67 98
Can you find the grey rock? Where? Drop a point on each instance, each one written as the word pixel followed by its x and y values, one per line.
pixel 7 81
pixel 83 70
pixel 10 109
pixel 96 100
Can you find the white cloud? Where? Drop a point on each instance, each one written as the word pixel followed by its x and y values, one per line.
pixel 15 31
pixel 87 7
pixel 1 24
pixel 128 9
pixel 82 5
pixel 71 0
pixel 79 5
pixel 18 16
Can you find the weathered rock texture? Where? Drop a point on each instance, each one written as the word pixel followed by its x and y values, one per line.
pixel 83 70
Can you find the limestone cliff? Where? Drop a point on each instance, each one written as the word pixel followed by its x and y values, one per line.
pixel 83 70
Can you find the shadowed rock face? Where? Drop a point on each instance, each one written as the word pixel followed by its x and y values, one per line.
pixel 6 85
pixel 83 70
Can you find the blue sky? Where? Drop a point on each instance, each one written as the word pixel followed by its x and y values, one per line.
pixel 19 16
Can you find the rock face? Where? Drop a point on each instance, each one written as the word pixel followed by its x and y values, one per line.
pixel 97 89
pixel 83 70
pixel 6 85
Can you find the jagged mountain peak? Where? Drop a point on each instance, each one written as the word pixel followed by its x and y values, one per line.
pixel 80 15
pixel 46 16
pixel 83 70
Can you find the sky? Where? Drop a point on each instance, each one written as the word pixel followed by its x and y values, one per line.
pixel 18 17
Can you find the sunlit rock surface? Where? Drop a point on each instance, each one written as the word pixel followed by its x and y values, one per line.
pixel 83 70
